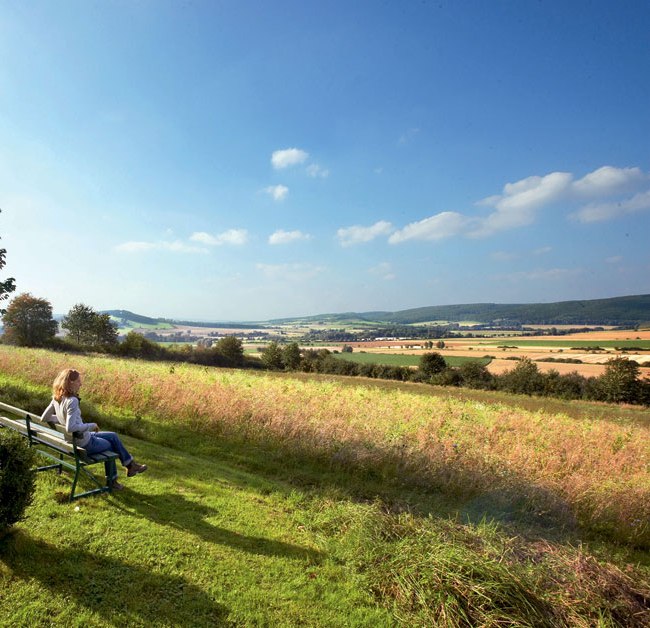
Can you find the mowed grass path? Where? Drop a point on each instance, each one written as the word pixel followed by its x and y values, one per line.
pixel 193 542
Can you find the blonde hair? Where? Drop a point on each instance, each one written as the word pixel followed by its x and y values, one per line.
pixel 61 386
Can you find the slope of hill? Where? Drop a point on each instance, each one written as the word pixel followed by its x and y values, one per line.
pixel 628 310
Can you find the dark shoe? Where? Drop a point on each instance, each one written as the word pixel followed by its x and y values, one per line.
pixel 116 486
pixel 134 468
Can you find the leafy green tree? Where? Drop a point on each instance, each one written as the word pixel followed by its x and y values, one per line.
pixel 104 330
pixel 79 323
pixel 431 364
pixel 136 345
pixel 231 348
pixel 8 285
pixel 620 382
pixel 291 356
pixel 524 379
pixel 476 375
pixel 272 356
pixel 28 321
pixel 87 327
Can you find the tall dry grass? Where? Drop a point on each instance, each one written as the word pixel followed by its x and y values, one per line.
pixel 594 472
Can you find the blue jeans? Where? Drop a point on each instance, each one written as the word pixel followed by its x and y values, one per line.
pixel 101 441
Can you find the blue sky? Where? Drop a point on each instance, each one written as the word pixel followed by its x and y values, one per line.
pixel 251 160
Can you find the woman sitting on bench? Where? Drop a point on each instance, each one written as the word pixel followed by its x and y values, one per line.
pixel 64 409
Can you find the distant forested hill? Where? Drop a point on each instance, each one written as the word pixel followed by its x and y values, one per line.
pixel 614 311
pixel 630 310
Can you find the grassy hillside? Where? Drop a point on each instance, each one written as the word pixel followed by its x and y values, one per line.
pixel 295 501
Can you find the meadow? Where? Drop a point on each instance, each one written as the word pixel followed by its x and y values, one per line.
pixel 301 500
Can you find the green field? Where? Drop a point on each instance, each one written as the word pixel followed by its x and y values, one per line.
pixel 399 359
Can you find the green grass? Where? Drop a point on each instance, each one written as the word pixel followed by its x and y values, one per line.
pixel 401 359
pixel 223 532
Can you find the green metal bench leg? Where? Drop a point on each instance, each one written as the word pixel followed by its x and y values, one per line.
pixel 111 472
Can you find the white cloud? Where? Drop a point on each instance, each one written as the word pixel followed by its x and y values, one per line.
pixel 278 192
pixel 543 250
pixel 314 170
pixel 290 272
pixel 176 247
pixel 504 256
pixel 598 212
pixel 517 205
pixel 235 237
pixel 357 234
pixel 438 227
pixel 615 259
pixel 281 159
pixel 383 270
pixel 285 237
pixel 550 274
pixel 609 180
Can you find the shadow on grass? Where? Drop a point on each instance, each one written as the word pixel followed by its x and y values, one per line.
pixel 402 481
pixel 118 592
pixel 180 513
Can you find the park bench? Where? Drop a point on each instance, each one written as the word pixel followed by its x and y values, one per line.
pixel 52 442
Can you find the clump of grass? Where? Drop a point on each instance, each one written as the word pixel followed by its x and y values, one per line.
pixel 438 572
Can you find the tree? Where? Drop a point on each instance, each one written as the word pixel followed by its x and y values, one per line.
pixel 87 327
pixel 620 381
pixel 231 348
pixel 440 344
pixel 8 285
pixel 432 363
pixel 524 379
pixel 28 321
pixel 291 356
pixel 272 356
pixel 105 331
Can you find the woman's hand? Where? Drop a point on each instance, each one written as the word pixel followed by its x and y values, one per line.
pixel 96 428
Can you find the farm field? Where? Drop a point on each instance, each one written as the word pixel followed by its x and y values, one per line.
pixel 404 359
pixel 535 348
pixel 274 498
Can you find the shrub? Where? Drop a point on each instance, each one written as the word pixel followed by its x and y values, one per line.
pixel 16 478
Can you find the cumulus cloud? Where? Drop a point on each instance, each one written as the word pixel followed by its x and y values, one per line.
pixel 357 234
pixel 518 205
pixel 438 227
pixel 235 237
pixel 278 192
pixel 175 247
pixel 285 237
pixel 609 180
pixel 519 202
pixel 599 212
pixel 287 157
pixel 289 272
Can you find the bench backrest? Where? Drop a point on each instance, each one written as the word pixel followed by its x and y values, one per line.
pixel 39 432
